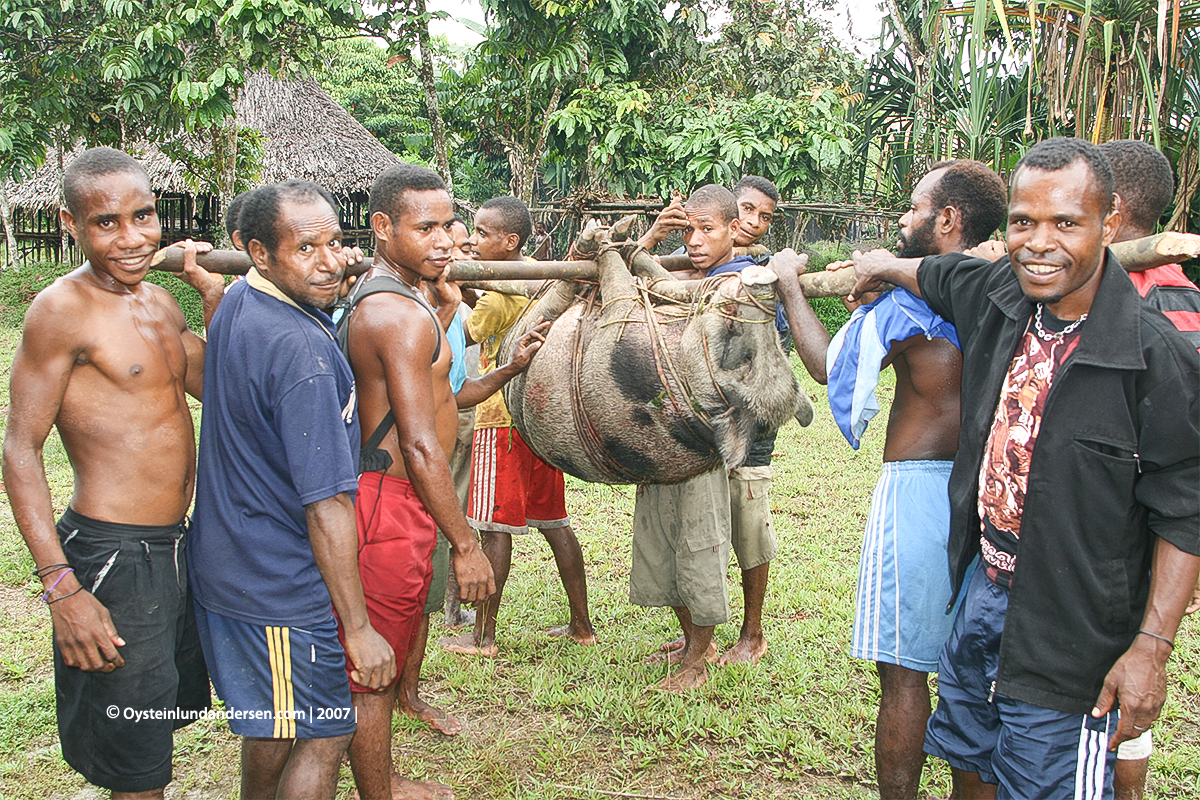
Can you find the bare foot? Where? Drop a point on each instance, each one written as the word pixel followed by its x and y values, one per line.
pixel 571 632
pixel 674 644
pixel 465 644
pixel 432 716
pixel 465 617
pixel 676 656
pixel 745 651
pixel 405 789
pixel 684 681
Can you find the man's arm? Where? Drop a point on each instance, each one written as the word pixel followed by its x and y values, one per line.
pixel 880 266
pixel 449 297
pixel 808 332
pixel 211 288
pixel 671 218
pixel 40 372
pixel 334 540
pixel 475 390
pixel 404 343
pixel 1138 681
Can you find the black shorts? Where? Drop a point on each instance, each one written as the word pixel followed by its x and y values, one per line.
pixel 116 728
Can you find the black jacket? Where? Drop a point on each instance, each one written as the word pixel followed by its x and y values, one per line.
pixel 1117 461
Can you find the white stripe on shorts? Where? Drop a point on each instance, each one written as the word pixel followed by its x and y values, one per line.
pixel 483 475
pixel 1089 765
pixel 870 577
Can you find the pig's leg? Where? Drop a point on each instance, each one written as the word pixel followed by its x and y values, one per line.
pixel 551 306
pixel 643 265
pixel 617 288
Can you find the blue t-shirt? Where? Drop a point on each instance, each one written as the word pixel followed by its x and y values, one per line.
pixel 279 431
pixel 458 353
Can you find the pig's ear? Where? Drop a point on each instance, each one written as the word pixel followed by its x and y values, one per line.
pixel 733 430
pixel 805 410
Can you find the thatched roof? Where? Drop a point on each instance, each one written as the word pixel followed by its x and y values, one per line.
pixel 306 134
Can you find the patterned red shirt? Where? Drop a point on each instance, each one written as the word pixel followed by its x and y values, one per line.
pixel 1004 471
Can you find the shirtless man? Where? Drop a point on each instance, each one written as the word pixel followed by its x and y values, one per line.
pixel 469 389
pixel 956 205
pixel 401 361
pixel 107 359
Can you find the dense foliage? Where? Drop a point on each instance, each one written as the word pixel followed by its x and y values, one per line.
pixel 124 71
pixel 987 80
pixel 621 98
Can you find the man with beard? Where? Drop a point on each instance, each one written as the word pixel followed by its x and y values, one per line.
pixel 901 620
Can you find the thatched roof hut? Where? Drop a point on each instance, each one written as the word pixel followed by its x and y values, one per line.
pixel 306 134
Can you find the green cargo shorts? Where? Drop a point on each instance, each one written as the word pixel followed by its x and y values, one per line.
pixel 754 540
pixel 681 542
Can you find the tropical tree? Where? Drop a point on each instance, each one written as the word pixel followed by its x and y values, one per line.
pixel 120 71
pixel 988 79
pixel 404 26
pixel 540 54
pixel 651 143
pixel 381 91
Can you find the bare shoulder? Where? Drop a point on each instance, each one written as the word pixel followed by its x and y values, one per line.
pixel 386 312
pixel 56 313
pixel 165 299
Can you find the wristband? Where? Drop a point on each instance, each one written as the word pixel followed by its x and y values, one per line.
pixel 64 597
pixel 46 594
pixel 1160 638
pixel 49 568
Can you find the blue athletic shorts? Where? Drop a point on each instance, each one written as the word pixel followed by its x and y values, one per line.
pixel 904 587
pixel 278 682
pixel 1030 751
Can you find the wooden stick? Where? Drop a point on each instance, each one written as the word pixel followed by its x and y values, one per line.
pixel 233 262
pixel 1138 254
pixel 837 283
pixel 1155 251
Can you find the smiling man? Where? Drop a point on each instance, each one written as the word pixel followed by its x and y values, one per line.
pixel 1075 481
pixel 107 359
pixel 275 546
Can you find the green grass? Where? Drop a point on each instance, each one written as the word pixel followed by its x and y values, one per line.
pixel 550 720
pixel 19 286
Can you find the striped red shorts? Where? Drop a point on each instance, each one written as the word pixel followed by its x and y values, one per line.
pixel 512 490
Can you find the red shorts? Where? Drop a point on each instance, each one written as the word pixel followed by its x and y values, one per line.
pixel 396 537
pixel 512 490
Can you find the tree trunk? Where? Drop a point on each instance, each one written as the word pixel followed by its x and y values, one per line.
pixel 10 238
pixel 524 158
pixel 63 237
pixel 225 149
pixel 437 128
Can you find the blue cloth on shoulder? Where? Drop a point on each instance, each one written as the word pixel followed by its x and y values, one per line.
pixel 855 356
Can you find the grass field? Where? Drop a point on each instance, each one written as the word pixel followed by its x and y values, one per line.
pixel 551 720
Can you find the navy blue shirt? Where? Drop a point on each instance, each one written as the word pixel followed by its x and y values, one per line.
pixel 279 431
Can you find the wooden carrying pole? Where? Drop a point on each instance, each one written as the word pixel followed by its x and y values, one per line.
pixel 1138 254
pixel 232 262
